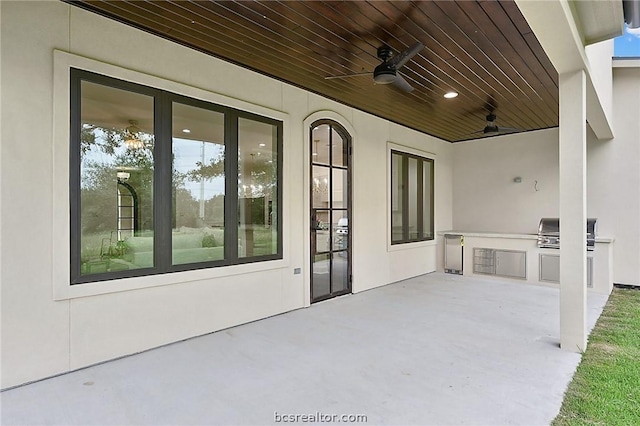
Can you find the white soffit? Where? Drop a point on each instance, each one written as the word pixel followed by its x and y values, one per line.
pixel 560 33
pixel 599 20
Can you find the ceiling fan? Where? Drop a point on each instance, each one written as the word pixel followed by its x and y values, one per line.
pixel 387 71
pixel 491 128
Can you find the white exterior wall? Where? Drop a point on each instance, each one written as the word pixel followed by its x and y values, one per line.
pixel 487 199
pixel 613 177
pixel 42 336
pixel 600 57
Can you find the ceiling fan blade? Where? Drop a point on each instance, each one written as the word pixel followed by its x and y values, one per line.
pixel 509 129
pixel 399 60
pixel 402 84
pixel 491 105
pixel 501 131
pixel 479 132
pixel 333 77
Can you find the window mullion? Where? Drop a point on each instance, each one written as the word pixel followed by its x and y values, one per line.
pixel 163 177
pixel 405 198
pixel 231 187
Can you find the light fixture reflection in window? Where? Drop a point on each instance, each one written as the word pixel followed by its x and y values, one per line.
pixel 132 140
pixel 123 176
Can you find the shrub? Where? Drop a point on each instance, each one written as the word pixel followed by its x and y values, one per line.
pixel 208 241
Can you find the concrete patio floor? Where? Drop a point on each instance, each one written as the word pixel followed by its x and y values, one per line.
pixel 433 350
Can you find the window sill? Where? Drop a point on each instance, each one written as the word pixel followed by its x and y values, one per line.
pixel 67 291
pixel 411 246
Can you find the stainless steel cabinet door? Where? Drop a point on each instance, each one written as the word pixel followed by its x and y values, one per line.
pixel 511 263
pixel 550 269
pixel 453 253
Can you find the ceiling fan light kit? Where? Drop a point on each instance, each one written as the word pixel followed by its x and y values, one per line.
pixel 490 129
pixel 384 74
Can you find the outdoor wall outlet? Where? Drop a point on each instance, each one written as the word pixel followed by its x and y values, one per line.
pixel 297 271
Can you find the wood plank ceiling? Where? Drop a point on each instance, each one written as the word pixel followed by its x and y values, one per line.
pixel 484 50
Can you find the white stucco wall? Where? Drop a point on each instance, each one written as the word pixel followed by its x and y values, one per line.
pixel 487 199
pixel 600 57
pixel 45 334
pixel 613 177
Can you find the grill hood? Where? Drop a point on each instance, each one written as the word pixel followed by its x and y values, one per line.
pixel 549 233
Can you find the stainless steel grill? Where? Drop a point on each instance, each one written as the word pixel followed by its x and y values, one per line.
pixel 549 233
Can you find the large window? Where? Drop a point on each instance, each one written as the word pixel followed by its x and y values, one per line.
pixel 163 183
pixel 411 198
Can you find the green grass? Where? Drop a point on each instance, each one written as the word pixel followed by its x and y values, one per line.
pixel 606 387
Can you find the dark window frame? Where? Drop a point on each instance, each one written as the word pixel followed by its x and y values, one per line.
pixel 404 180
pixel 162 183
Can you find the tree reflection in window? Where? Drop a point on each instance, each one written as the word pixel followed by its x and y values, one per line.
pixel 116 184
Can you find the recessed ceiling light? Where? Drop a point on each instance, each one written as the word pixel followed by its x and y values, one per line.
pixel 315 153
pixel 262 145
pixel 450 95
pixel 186 131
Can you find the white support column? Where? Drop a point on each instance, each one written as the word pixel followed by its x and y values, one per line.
pixel 573 211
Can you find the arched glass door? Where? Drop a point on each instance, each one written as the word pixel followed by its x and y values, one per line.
pixel 330 210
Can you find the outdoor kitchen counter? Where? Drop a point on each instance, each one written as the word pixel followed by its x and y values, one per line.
pixel 602 256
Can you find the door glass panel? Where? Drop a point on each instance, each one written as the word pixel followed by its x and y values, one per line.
pixel 339 150
pixel 257 188
pixel 397 201
pixel 198 185
pixel 339 271
pixel 320 187
pixel 340 189
pixel 322 231
pixel 340 226
pixel 320 146
pixel 116 179
pixel 321 271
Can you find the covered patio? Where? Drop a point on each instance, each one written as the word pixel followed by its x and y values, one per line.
pixel 435 349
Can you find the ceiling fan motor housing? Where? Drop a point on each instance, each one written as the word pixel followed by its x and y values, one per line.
pixel 385 52
pixel 491 126
pixel 384 73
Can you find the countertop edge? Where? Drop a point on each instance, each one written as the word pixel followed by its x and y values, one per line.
pixel 482 234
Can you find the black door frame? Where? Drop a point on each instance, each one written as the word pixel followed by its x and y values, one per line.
pixel 346 137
